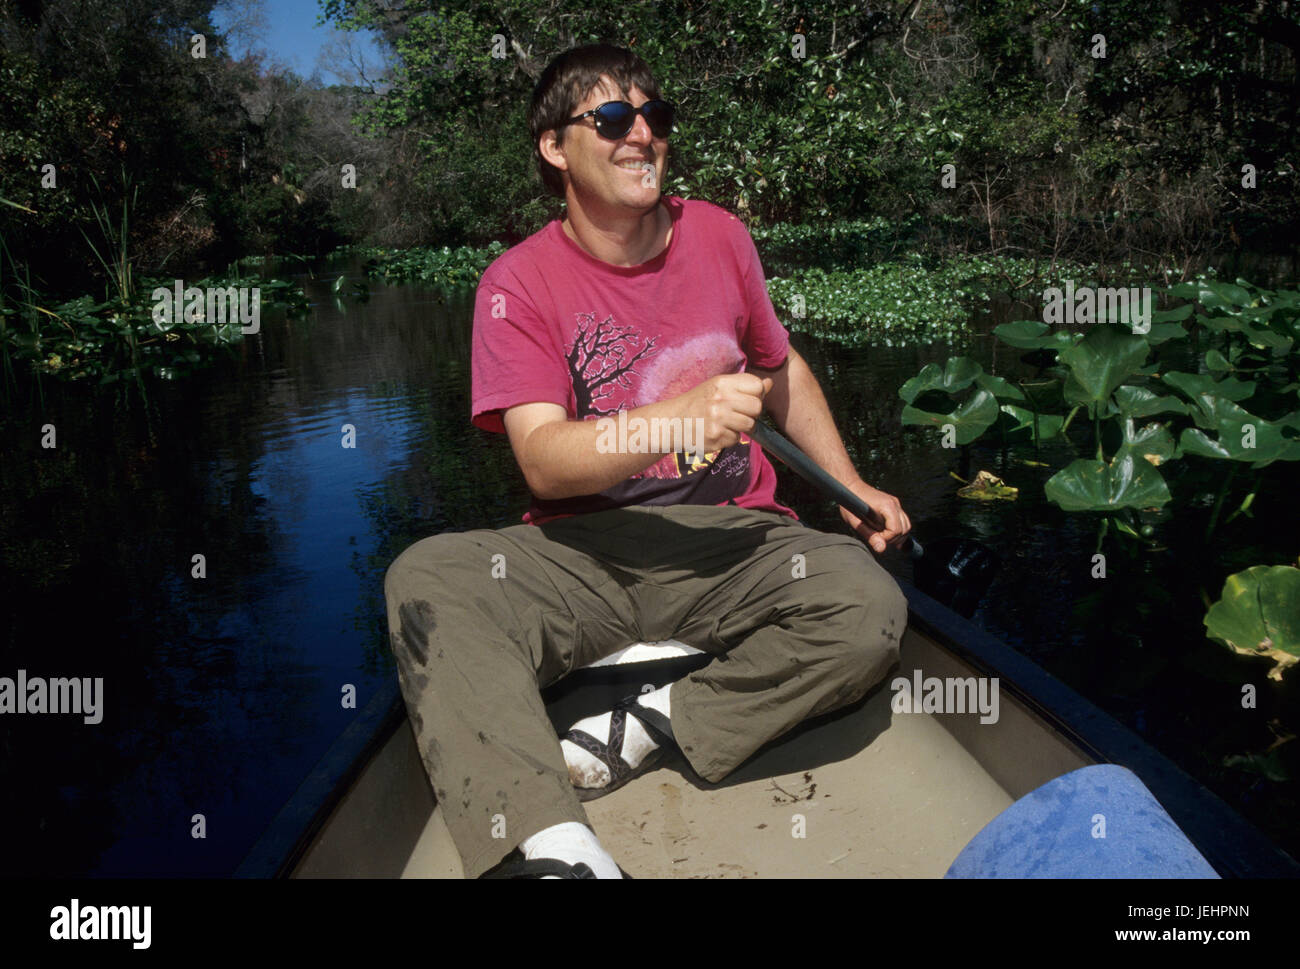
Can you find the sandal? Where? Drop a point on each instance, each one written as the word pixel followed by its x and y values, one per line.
pixel 620 772
pixel 514 865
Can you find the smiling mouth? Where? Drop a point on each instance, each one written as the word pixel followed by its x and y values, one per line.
pixel 636 166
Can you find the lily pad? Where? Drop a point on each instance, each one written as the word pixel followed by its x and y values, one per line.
pixel 1258 614
pixel 1163 333
pixel 957 374
pixel 999 387
pixel 1194 384
pixel 1127 481
pixel 1216 362
pixel 1100 362
pixel 1035 335
pixel 1174 315
pixel 1236 428
pixel 1049 425
pixel 1140 402
pixel 970 420
pixel 1152 442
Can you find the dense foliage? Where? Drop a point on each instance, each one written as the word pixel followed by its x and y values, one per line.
pixel 1056 147
pixel 1151 432
pixel 790 113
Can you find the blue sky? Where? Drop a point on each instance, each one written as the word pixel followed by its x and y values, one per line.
pixel 293 38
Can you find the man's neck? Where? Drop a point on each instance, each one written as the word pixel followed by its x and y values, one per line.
pixel 624 243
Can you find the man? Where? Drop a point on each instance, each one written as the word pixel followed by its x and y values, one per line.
pixel 646 309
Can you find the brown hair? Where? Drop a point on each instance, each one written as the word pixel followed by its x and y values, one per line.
pixel 569 78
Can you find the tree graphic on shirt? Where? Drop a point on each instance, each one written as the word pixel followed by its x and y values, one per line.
pixel 602 359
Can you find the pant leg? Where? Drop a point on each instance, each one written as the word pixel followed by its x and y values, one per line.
pixel 472 648
pixel 805 622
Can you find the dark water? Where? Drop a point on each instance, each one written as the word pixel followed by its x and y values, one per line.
pixel 220 693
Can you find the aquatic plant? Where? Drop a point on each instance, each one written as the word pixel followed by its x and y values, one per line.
pixel 443 266
pixel 1258 614
pixel 1143 415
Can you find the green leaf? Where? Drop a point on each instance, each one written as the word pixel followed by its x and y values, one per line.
pixel 999 387
pixel 970 420
pixel 957 374
pixel 1164 332
pixel 1090 485
pixel 1235 428
pixel 1049 425
pixel 1100 362
pixel 1258 614
pixel 1140 402
pixel 1174 315
pixel 1224 294
pixel 1152 443
pixel 1216 362
pixel 1034 335
pixel 1194 385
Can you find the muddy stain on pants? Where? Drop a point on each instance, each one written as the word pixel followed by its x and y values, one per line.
pixel 791 638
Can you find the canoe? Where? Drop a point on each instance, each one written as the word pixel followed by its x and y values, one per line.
pixel 866 792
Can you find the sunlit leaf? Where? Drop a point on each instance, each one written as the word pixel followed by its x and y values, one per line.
pixel 1125 482
pixel 1140 402
pixel 1049 425
pixel 1239 435
pixel 1194 384
pixel 1100 362
pixel 1034 335
pixel 957 374
pixel 970 420
pixel 1258 614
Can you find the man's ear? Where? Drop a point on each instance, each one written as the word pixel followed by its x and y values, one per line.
pixel 548 144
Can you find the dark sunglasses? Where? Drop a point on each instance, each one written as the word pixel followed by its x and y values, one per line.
pixel 614 119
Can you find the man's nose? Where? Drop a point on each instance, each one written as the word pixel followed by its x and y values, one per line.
pixel 640 133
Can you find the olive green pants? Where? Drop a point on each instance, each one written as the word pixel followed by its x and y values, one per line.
pixel 801 622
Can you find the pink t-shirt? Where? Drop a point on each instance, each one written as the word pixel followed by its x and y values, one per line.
pixel 554 324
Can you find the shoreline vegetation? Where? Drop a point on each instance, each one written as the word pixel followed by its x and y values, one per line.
pixel 895 164
pixel 848 282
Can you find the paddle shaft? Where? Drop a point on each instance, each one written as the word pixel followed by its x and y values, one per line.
pixel 802 465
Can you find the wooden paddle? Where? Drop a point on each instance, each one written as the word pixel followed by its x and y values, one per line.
pixel 955 571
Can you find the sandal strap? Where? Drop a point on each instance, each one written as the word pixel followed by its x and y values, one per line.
pixel 656 724
pixel 541 868
pixel 608 754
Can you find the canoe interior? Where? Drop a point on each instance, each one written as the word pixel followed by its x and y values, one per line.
pixel 894 795
pixel 866 793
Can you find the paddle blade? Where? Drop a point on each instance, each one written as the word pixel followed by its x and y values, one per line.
pixel 956 572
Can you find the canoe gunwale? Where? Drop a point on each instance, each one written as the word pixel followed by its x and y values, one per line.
pixel 290 835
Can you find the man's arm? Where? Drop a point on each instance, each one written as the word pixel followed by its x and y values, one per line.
pixel 799 408
pixel 561 458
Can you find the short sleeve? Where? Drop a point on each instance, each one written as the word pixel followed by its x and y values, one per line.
pixel 764 340
pixel 514 359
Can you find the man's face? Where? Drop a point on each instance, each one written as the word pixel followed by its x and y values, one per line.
pixel 609 175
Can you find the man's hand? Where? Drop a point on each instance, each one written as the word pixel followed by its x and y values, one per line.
pixel 890 525
pixel 726 407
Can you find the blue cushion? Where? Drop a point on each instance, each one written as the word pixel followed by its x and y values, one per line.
pixel 1056 832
